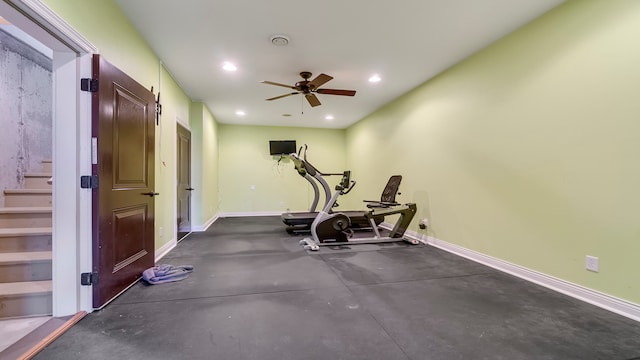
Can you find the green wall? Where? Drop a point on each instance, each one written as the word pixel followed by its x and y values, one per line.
pixel 106 27
pixel 210 170
pixel 527 151
pixel 119 43
pixel 175 107
pixel 245 163
pixel 204 160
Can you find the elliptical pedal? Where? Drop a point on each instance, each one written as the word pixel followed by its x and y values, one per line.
pixel 411 241
pixel 309 244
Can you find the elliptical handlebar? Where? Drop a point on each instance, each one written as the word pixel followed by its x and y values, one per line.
pixel 346 184
pixel 314 168
pixel 351 186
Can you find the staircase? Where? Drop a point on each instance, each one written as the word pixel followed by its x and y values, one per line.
pixel 25 247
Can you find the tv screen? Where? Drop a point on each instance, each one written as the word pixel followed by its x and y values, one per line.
pixel 282 147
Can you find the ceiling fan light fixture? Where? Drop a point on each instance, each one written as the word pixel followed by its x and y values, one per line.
pixel 374 78
pixel 279 40
pixel 329 117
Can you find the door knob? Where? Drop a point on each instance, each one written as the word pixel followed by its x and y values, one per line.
pixel 152 194
pixel 190 189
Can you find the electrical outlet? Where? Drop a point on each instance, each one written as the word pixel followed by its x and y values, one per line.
pixel 592 263
pixel 425 221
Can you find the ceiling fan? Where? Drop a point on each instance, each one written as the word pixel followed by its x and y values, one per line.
pixel 309 88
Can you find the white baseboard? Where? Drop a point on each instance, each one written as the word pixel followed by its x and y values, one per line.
pixel 210 222
pixel 164 249
pixel 242 214
pixel 206 225
pixel 604 301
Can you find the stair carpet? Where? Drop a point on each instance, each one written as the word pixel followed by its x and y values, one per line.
pixel 25 247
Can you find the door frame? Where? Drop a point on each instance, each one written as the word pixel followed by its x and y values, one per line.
pixel 187 127
pixel 71 154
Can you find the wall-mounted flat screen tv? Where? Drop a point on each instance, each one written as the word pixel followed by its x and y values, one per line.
pixel 282 147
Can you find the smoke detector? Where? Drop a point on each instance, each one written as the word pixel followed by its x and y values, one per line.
pixel 279 40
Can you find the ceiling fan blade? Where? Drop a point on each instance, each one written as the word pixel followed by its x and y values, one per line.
pixel 281 96
pixel 336 92
pixel 277 84
pixel 319 81
pixel 312 99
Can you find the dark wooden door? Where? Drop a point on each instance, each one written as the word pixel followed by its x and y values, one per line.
pixel 123 204
pixel 184 190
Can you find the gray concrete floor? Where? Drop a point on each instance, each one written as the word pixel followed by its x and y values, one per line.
pixel 255 294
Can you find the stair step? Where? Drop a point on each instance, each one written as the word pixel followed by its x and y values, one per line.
pixel 26 288
pixel 25 239
pixel 25 217
pixel 25 266
pixel 24 257
pixel 25 298
pixel 46 166
pixel 27 197
pixel 26 210
pixel 37 180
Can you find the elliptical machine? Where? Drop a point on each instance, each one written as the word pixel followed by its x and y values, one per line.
pixel 298 222
pixel 335 228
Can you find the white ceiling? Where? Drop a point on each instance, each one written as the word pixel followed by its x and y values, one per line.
pixel 406 42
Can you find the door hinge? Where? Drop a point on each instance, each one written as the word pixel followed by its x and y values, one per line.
pixel 88 85
pixel 88 278
pixel 89 182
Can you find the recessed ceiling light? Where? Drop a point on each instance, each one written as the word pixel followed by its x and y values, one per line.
pixel 240 113
pixel 329 117
pixel 229 66
pixel 374 78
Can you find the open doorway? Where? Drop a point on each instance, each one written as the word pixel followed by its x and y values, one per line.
pixel 25 166
pixel 70 144
pixel 183 181
pixel 64 251
pixel 26 100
